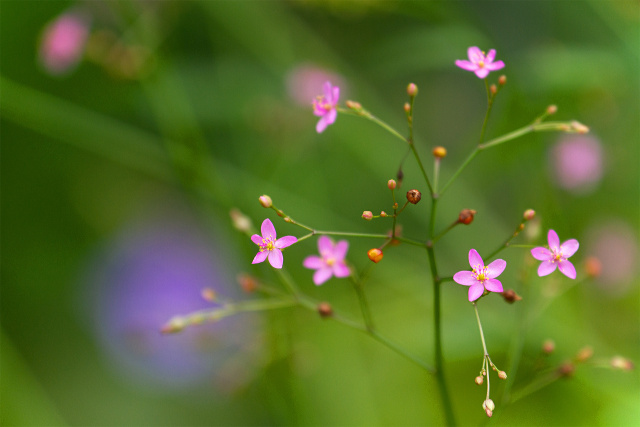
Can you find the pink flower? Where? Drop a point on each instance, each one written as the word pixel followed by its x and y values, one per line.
pixel 324 106
pixel 330 262
pixel 63 42
pixel 577 162
pixel 481 277
pixel 479 63
pixel 556 256
pixel 269 246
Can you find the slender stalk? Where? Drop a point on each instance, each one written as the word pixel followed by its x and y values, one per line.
pixel 459 171
pixel 364 305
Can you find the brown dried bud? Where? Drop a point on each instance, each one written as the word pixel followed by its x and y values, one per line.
pixel 510 296
pixel 247 282
pixel 466 216
pixel 529 214
pixel 502 80
pixel 439 152
pixel 414 196
pixel 392 184
pixel 584 354
pixel 593 266
pixel 265 201
pixel 566 369
pixel 324 309
pixel 479 379
pixel 375 255
pixel 548 346
pixel 412 89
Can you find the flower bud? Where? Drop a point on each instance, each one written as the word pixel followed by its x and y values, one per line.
pixel 552 109
pixel 493 89
pixel 414 196
pixel 548 346
pixel 174 325
pixel 375 255
pixel 502 375
pixel 368 215
pixel 488 404
pixel 412 89
pixel 324 309
pixel 529 214
pixel 566 369
pixel 510 296
pixel 240 221
pixel 584 354
pixel 265 201
pixel 208 294
pixel 593 266
pixel 247 282
pixel 502 80
pixel 406 107
pixel 391 184
pixel 439 152
pixel 619 362
pixel 353 105
pixel 578 127
pixel 466 216
pixel 479 379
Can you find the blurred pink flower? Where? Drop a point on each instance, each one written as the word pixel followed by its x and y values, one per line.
pixel 481 277
pixel 324 106
pixel 556 256
pixel 63 42
pixel 330 262
pixel 479 63
pixel 269 246
pixel 577 162
pixel 304 80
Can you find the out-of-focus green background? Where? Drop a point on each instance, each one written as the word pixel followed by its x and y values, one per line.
pixel 117 180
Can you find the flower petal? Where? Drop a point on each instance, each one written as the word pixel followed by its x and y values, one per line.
pixel 325 246
pixel 275 258
pixel 466 65
pixel 496 268
pixel 260 256
pixel 331 116
pixel 541 254
pixel 327 90
pixel 465 278
pixel 256 239
pixel 285 241
pixel 569 248
pixel 482 72
pixel 475 292
pixel 491 55
pixel 493 285
pixel 322 275
pixel 335 95
pixel 340 269
pixel 267 229
pixel 475 259
pixel 567 269
pixel 554 241
pixel 340 250
pixel 547 267
pixel 498 65
pixel 475 54
pixel 314 262
pixel 322 124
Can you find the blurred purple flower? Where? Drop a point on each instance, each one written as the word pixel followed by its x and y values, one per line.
pixel 479 63
pixel 481 277
pixel 330 262
pixel 150 273
pixel 577 162
pixel 324 106
pixel 270 246
pixel 556 256
pixel 304 80
pixel 63 42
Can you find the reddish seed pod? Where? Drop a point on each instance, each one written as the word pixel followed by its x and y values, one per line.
pixel 414 196
pixel 466 216
pixel 375 255
pixel 324 309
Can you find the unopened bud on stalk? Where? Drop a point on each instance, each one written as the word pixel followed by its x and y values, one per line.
pixel 439 152
pixel 414 196
pixel 466 216
pixel 502 375
pixel 208 294
pixel 593 266
pixel 578 127
pixel 383 214
pixel 391 184
pixel 566 369
pixel 511 296
pixel 324 309
pixel 368 215
pixel 247 283
pixel 548 346
pixel 619 362
pixel 353 105
pixel 552 109
pixel 375 255
pixel 529 214
pixel 488 406
pixel 240 221
pixel 406 107
pixel 493 89
pixel 265 201
pixel 175 325
pixel 502 80
pixel 584 354
pixel 412 89
pixel 479 379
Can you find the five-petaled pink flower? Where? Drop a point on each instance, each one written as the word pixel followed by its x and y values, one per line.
pixel 480 63
pixel 63 42
pixel 556 256
pixel 481 277
pixel 330 262
pixel 324 106
pixel 269 246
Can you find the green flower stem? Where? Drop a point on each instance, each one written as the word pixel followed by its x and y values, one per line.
pixel 376 335
pixel 507 242
pixel 436 174
pixel 486 359
pixel 445 231
pixel 536 385
pixel 460 169
pixel 364 305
